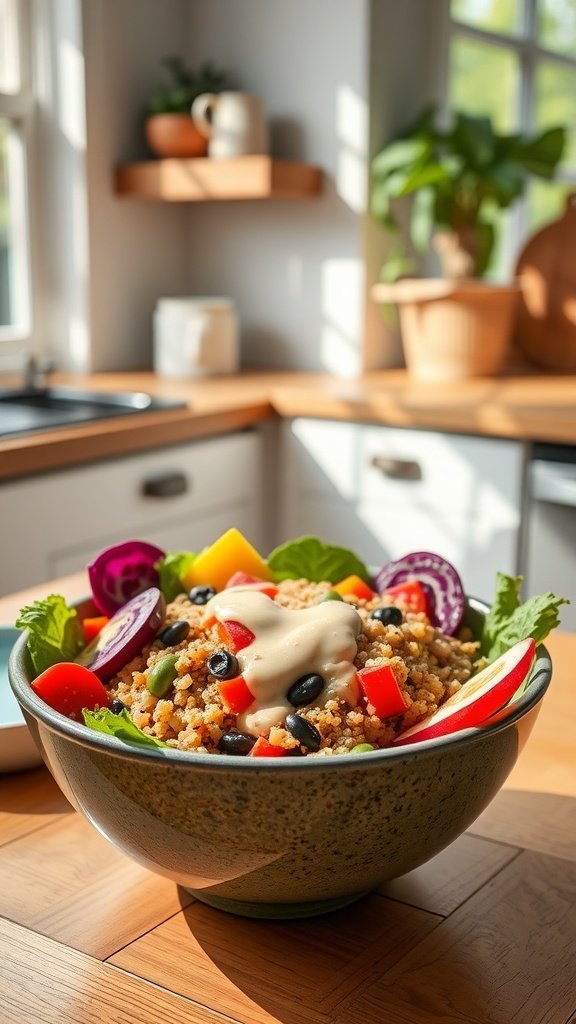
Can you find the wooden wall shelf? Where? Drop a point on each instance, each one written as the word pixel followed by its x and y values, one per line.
pixel 205 179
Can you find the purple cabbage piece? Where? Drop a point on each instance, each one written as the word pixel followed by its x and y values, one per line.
pixel 443 586
pixel 120 572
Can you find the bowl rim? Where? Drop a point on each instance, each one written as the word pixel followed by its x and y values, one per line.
pixel 78 733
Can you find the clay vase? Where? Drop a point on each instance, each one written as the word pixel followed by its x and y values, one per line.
pixel 174 135
pixel 452 330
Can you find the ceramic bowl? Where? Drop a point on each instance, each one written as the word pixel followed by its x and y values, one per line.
pixel 18 751
pixel 280 838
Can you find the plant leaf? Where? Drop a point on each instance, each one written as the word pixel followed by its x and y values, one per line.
pixel 541 155
pixel 401 153
pixel 474 138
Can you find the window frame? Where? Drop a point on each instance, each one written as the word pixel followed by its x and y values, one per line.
pixel 523 42
pixel 20 108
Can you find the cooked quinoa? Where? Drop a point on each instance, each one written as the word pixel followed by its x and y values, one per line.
pixel 428 666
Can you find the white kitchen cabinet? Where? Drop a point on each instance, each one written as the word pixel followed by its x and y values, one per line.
pixel 53 524
pixel 385 491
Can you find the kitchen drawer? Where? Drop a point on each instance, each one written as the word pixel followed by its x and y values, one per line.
pixel 400 467
pixel 48 519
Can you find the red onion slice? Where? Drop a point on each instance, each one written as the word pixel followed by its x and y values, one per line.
pixel 129 630
pixel 442 583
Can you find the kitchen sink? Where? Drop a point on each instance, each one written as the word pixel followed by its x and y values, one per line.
pixel 25 410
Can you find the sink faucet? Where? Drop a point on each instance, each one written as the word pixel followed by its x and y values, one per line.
pixel 36 370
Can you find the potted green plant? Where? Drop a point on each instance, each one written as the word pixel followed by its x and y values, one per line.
pixel 169 128
pixel 460 178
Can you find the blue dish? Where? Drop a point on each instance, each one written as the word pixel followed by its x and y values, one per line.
pixel 17 748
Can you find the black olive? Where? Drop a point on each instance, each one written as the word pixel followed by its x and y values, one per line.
pixel 303 731
pixel 305 690
pixel 223 665
pixel 236 743
pixel 388 615
pixel 117 706
pixel 175 633
pixel 201 594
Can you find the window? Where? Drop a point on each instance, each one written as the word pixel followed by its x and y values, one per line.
pixel 16 111
pixel 515 60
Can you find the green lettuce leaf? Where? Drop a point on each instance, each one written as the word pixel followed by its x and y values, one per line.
pixel 54 631
pixel 310 558
pixel 510 620
pixel 120 726
pixel 172 570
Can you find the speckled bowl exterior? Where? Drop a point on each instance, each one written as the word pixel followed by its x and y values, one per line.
pixel 280 838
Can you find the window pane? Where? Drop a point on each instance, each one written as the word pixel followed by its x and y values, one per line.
pixel 13 269
pixel 557 25
pixel 492 15
pixel 555 104
pixel 546 202
pixel 484 79
pixel 9 51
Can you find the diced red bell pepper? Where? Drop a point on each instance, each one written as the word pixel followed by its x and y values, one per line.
pixel 91 627
pixel 380 688
pixel 263 748
pixel 68 688
pixel 239 636
pixel 411 595
pixel 236 697
pixel 356 586
pixel 244 579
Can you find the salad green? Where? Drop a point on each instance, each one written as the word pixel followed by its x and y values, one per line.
pixel 120 725
pixel 510 620
pixel 54 631
pixel 311 559
pixel 172 569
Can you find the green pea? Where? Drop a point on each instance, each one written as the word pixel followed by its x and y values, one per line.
pixel 331 595
pixel 362 748
pixel 162 675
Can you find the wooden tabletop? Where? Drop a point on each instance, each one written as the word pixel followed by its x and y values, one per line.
pixel 483 934
pixel 530 406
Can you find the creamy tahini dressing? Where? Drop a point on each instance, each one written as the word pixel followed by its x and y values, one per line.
pixel 289 644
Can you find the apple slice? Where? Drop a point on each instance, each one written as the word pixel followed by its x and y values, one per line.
pixel 479 698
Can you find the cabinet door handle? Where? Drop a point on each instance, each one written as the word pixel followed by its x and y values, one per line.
pixel 397 469
pixel 165 485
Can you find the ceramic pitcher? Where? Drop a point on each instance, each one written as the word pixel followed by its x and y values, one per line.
pixel 233 122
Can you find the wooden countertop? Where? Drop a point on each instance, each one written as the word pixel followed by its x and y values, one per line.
pixel 483 934
pixel 527 406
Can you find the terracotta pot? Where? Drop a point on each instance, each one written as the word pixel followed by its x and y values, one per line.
pixel 174 135
pixel 452 330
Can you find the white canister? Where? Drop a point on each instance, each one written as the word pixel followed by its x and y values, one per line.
pixel 195 337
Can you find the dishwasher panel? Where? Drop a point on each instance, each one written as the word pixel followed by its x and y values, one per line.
pixel 551 537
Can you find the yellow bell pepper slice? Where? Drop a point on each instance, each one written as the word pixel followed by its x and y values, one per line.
pixel 355 586
pixel 229 554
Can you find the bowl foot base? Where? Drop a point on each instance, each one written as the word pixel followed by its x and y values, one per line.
pixel 276 911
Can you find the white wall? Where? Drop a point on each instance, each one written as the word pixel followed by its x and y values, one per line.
pixel 335 76
pixel 295 268
pixel 136 250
